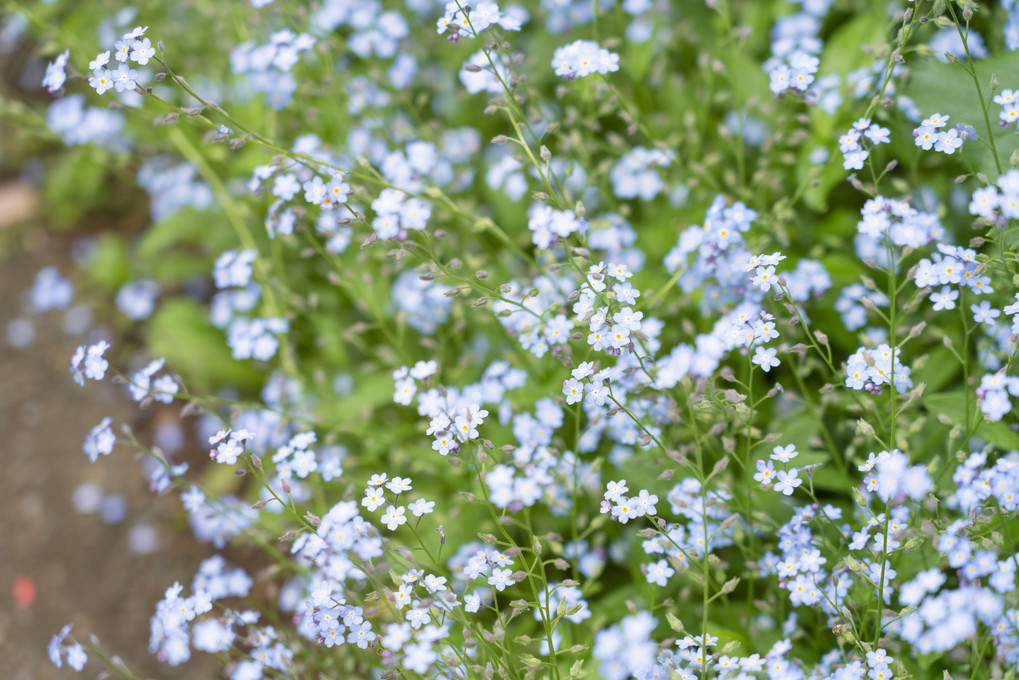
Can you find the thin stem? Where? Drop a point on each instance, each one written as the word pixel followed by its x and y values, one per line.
pixel 976 81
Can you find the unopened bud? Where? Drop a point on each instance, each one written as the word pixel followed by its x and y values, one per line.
pixel 720 465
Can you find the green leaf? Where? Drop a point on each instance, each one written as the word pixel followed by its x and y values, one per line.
pixel 193 347
pixel 938 369
pixel 938 87
pixel 842 51
pixel 953 406
pixel 184 226
pixel 108 266
pixel 76 185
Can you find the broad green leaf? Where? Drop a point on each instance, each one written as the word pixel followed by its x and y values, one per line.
pixel 193 347
pixel 108 266
pixel 947 88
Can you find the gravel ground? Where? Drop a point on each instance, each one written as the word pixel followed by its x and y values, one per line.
pixel 80 568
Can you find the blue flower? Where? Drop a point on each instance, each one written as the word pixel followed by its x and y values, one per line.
pixel 100 441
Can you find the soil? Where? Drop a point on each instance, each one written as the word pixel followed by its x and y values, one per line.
pixel 80 569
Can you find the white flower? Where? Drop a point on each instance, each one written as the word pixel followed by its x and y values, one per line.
pixel 765 358
pixel 501 578
pixel 421 507
pixel 788 481
pixel 394 517
pixel 372 499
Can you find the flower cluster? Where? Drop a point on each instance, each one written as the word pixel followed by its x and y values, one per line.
pixel 952 266
pixel 868 369
pixel 133 47
pixel 162 389
pixel 229 445
pixel 549 226
pixel 268 67
pixel 795 46
pixel 394 516
pixel 50 291
pixel 73 653
pixel 999 202
pixel 931 135
pixel 858 142
pixel 581 58
pixel 296 458
pixel 89 362
pixel 100 440
pixel 785 480
pixel 893 479
pixel 175 627
pixel 467 19
pixel 636 174
pixel 897 221
pixel 623 509
pixel 1009 114
pixel 55 76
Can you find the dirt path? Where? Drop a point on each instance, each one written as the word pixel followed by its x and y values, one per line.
pixel 81 568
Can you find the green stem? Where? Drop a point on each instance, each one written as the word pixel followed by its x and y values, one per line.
pixel 976 81
pixel 240 227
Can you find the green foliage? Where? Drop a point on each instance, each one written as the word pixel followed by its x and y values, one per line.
pixel 935 86
pixel 181 332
